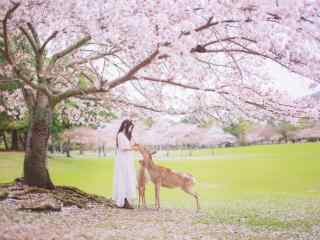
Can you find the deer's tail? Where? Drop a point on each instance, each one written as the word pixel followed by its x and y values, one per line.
pixel 192 178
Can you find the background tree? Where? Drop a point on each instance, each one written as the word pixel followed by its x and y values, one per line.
pixel 285 129
pixel 13 119
pixel 239 130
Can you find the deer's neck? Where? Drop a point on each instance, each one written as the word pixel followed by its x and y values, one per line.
pixel 146 156
pixel 149 164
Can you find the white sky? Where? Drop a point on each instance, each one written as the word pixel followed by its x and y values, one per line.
pixel 296 85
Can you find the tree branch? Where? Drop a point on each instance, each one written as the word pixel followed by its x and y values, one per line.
pixel 224 94
pixel 34 34
pixel 35 43
pixel 31 83
pixel 130 74
pixel 5 31
pixel 92 58
pixel 52 36
pixel 8 56
pixel 248 51
pixel 31 41
pixel 152 109
pixel 209 24
pixel 76 92
pixel 28 97
pixel 107 86
pixel 227 39
pixel 68 50
pixel 170 82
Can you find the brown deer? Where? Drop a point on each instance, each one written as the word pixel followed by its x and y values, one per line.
pixel 165 177
pixel 142 180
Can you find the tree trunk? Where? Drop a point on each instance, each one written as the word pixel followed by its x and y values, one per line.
pixel 14 140
pixel 81 149
pixel 5 141
pixel 22 139
pixel 66 148
pixel 35 162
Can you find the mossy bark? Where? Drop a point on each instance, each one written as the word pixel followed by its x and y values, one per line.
pixel 35 163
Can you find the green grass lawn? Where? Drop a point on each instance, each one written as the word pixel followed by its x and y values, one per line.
pixel 258 184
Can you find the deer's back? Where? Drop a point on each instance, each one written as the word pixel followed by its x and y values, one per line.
pixel 170 178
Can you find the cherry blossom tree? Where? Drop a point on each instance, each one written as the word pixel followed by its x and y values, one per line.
pixel 214 50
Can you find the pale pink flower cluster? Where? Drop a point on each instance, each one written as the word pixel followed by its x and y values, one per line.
pixel 217 45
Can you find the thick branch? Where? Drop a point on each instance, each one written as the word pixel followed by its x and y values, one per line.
pixel 5 31
pixel 29 82
pixel 34 42
pixel 8 56
pixel 76 92
pixel 28 97
pixel 30 39
pixel 133 71
pixel 107 86
pixel 68 50
pixel 34 35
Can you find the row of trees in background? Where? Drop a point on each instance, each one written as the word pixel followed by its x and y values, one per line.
pixel 66 136
pixel 13 130
pixel 284 130
pixel 187 134
pixel 12 133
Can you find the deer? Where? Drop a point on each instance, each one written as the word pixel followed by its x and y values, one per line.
pixel 165 177
pixel 142 180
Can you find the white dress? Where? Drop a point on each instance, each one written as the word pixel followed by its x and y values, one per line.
pixel 124 178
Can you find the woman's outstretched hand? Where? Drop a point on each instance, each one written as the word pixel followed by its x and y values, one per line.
pixel 135 147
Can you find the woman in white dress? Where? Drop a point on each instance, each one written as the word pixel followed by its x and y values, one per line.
pixel 124 179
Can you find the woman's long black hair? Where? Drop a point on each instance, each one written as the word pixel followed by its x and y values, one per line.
pixel 126 127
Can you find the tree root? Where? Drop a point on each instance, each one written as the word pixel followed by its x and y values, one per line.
pixel 40 199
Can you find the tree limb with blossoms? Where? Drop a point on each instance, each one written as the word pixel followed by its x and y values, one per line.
pixel 138 53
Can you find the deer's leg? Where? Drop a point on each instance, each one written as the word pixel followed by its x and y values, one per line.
pixel 138 197
pixel 144 198
pixel 157 195
pixel 189 190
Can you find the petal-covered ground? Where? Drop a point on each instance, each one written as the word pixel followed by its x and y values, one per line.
pixel 101 223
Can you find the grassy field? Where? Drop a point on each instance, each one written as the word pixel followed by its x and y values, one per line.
pixel 268 185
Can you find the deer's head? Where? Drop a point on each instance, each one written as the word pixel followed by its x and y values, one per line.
pixel 147 155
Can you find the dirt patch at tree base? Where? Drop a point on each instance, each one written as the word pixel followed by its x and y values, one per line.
pixel 39 199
